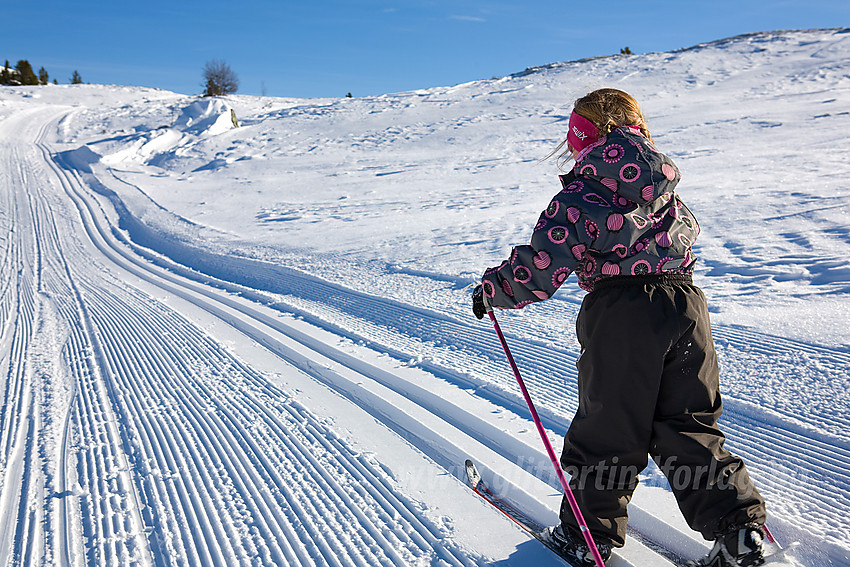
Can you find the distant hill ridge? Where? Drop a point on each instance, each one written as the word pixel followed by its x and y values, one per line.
pixel 716 43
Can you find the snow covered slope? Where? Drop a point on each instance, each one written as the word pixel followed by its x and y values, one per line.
pixel 253 345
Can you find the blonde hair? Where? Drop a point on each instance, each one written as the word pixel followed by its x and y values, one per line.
pixel 608 109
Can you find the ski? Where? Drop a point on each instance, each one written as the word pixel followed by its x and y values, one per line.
pixel 536 530
pixel 540 532
pixel 779 557
pixel 784 556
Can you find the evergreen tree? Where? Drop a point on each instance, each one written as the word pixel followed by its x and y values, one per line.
pixel 43 78
pixel 5 74
pixel 25 73
pixel 76 79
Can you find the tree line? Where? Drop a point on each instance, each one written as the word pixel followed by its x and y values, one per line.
pixel 23 74
pixel 218 78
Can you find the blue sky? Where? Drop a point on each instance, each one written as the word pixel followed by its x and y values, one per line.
pixel 323 48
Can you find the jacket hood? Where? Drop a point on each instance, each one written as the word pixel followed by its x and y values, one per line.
pixel 627 163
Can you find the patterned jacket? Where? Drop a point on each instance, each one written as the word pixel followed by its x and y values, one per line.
pixel 617 215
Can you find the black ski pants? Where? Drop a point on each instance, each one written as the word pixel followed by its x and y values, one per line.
pixel 649 385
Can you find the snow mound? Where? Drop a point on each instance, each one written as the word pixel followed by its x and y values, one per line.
pixel 81 158
pixel 200 120
pixel 205 117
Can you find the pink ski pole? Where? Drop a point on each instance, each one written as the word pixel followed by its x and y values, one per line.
pixel 588 537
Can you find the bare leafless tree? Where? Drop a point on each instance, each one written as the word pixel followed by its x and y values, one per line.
pixel 219 78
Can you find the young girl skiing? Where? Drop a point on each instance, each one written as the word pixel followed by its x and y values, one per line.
pixel 648 375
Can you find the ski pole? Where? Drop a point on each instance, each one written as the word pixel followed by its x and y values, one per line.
pixel 588 537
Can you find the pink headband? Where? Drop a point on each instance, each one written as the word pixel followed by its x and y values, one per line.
pixel 581 132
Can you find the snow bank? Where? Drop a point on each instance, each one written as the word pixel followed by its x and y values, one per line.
pixel 198 121
pixel 205 118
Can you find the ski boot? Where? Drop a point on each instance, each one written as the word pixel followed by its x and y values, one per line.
pixel 574 548
pixel 741 547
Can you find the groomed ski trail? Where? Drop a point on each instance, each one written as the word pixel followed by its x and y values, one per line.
pixel 170 450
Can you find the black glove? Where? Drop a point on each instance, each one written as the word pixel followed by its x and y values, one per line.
pixel 478 308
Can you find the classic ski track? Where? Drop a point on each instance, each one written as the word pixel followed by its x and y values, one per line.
pixel 60 536
pixel 184 455
pixel 64 526
pixel 429 538
pixel 52 269
pixel 258 495
pixel 20 420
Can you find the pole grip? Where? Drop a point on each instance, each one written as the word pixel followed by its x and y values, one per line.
pixel 487 306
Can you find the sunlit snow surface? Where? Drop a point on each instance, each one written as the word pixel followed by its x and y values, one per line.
pixel 360 223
